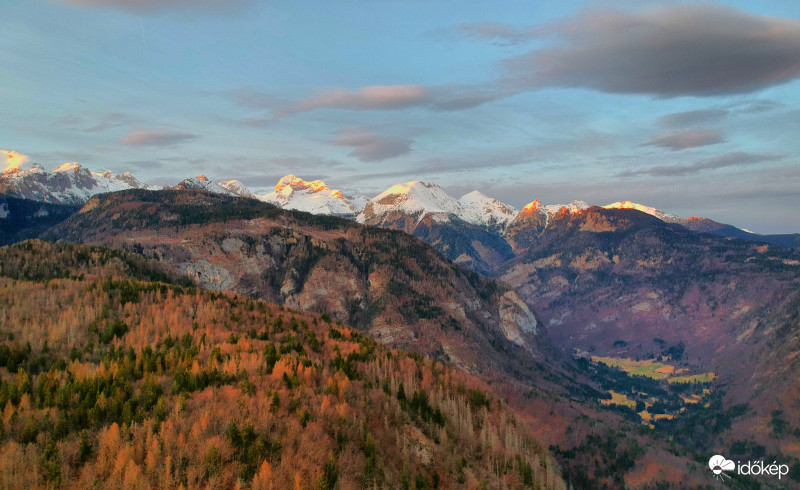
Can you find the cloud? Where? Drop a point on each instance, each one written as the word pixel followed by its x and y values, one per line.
pixel 366 98
pixel 370 147
pixel 448 97
pixel 734 159
pixel 14 160
pixel 671 50
pixel 152 6
pixel 683 140
pixel 144 137
pixel 497 33
pixel 717 114
pixel 692 118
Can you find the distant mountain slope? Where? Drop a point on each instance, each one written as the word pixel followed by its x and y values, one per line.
pixel 201 183
pixel 313 197
pixel 108 376
pixel 606 275
pixel 705 225
pixel 22 218
pixel 426 211
pixel 68 184
pixel 387 283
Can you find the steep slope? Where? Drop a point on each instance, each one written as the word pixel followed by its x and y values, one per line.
pixel 21 218
pixel 236 187
pixel 526 227
pixel 109 376
pixel 387 283
pixel 606 275
pixel 427 212
pixel 481 210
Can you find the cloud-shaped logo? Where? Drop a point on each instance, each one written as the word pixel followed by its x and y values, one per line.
pixel 718 464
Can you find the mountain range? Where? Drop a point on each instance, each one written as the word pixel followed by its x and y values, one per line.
pixel 73 184
pixel 533 301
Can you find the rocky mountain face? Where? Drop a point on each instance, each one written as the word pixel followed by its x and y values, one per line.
pixel 384 282
pixel 602 276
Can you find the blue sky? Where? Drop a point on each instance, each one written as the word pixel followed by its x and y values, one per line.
pixel 688 107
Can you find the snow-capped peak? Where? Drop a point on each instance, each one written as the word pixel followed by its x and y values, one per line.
pixel 68 167
pixel 410 198
pixel 297 184
pixel 236 187
pixel 532 207
pixel 202 183
pixel 479 209
pixel 68 184
pixel 644 209
pixel 314 196
pixel 572 207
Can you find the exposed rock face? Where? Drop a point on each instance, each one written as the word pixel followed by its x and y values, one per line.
pixel 600 276
pixel 207 275
pixel 516 319
pixel 385 282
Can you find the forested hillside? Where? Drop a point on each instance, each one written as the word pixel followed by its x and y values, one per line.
pixel 114 372
pixel 386 283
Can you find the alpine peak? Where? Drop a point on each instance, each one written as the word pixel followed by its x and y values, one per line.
pixel 68 167
pixel 535 206
pixel 644 209
pixel 202 177
pixel 296 183
pixel 314 196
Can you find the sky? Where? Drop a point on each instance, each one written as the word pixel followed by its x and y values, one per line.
pixel 693 108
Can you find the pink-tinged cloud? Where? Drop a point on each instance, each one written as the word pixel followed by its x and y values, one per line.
pixel 734 159
pixel 144 137
pixel 451 97
pixel 152 6
pixel 671 50
pixel 683 140
pixel 369 147
pixel 374 97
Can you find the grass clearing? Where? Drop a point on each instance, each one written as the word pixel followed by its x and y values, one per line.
pixel 694 378
pixel 619 399
pixel 648 367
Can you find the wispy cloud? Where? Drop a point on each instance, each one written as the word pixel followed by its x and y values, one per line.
pixel 144 137
pixel 734 159
pixel 683 140
pixel 692 118
pixel 671 50
pixel 369 147
pixel 497 32
pixel 449 97
pixel 152 6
